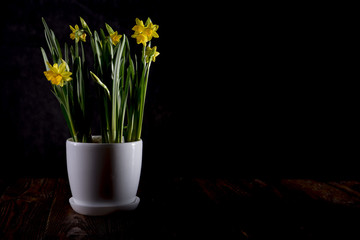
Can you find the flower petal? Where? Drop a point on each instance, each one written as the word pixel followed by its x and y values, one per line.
pixel 62 67
pixel 83 37
pixel 48 75
pixel 55 68
pixel 155 35
pixel 67 79
pixel 66 74
pixel 138 28
pixel 139 22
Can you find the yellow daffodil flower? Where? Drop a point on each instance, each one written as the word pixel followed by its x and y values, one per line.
pixel 139 27
pixel 150 31
pixel 142 33
pixel 138 32
pixel 77 34
pixel 140 38
pixel 151 53
pixel 115 38
pixel 83 37
pixel 58 75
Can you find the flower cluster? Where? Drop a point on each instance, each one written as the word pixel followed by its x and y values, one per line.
pixel 144 34
pixel 123 80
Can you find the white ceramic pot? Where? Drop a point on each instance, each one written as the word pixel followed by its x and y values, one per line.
pixel 104 177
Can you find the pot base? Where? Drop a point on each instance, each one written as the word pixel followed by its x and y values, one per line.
pixel 93 210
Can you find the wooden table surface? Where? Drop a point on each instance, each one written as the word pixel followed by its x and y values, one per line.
pixel 188 208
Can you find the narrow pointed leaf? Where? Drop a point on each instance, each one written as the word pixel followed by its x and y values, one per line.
pixel 100 83
pixel 45 58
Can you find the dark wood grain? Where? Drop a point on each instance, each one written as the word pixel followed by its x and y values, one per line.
pixel 332 193
pixel 24 208
pixel 203 208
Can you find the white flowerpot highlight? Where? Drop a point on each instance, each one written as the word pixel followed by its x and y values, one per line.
pixel 104 177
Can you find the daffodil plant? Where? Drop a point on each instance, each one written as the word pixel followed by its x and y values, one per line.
pixel 122 80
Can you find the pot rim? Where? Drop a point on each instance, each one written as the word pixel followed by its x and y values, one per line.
pixel 70 140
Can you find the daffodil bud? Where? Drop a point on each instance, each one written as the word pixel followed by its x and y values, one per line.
pixel 85 26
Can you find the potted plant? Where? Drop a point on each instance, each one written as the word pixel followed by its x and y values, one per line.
pixel 104 171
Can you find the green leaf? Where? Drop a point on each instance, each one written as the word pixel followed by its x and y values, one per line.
pixel 58 97
pixel 45 25
pixel 82 53
pixel 66 53
pixel 79 83
pixel 117 66
pixel 57 46
pixel 107 54
pixel 97 79
pixel 45 58
pixel 52 42
pixel 72 51
pixel 51 49
pixel 102 35
pixel 98 46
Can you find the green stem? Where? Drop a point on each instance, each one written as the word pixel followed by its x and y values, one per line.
pixel 142 102
pixel 76 49
pixel 143 54
pixel 130 127
pixel 72 128
pixel 68 112
pixel 122 124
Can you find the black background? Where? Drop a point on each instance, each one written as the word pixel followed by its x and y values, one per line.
pixel 238 90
